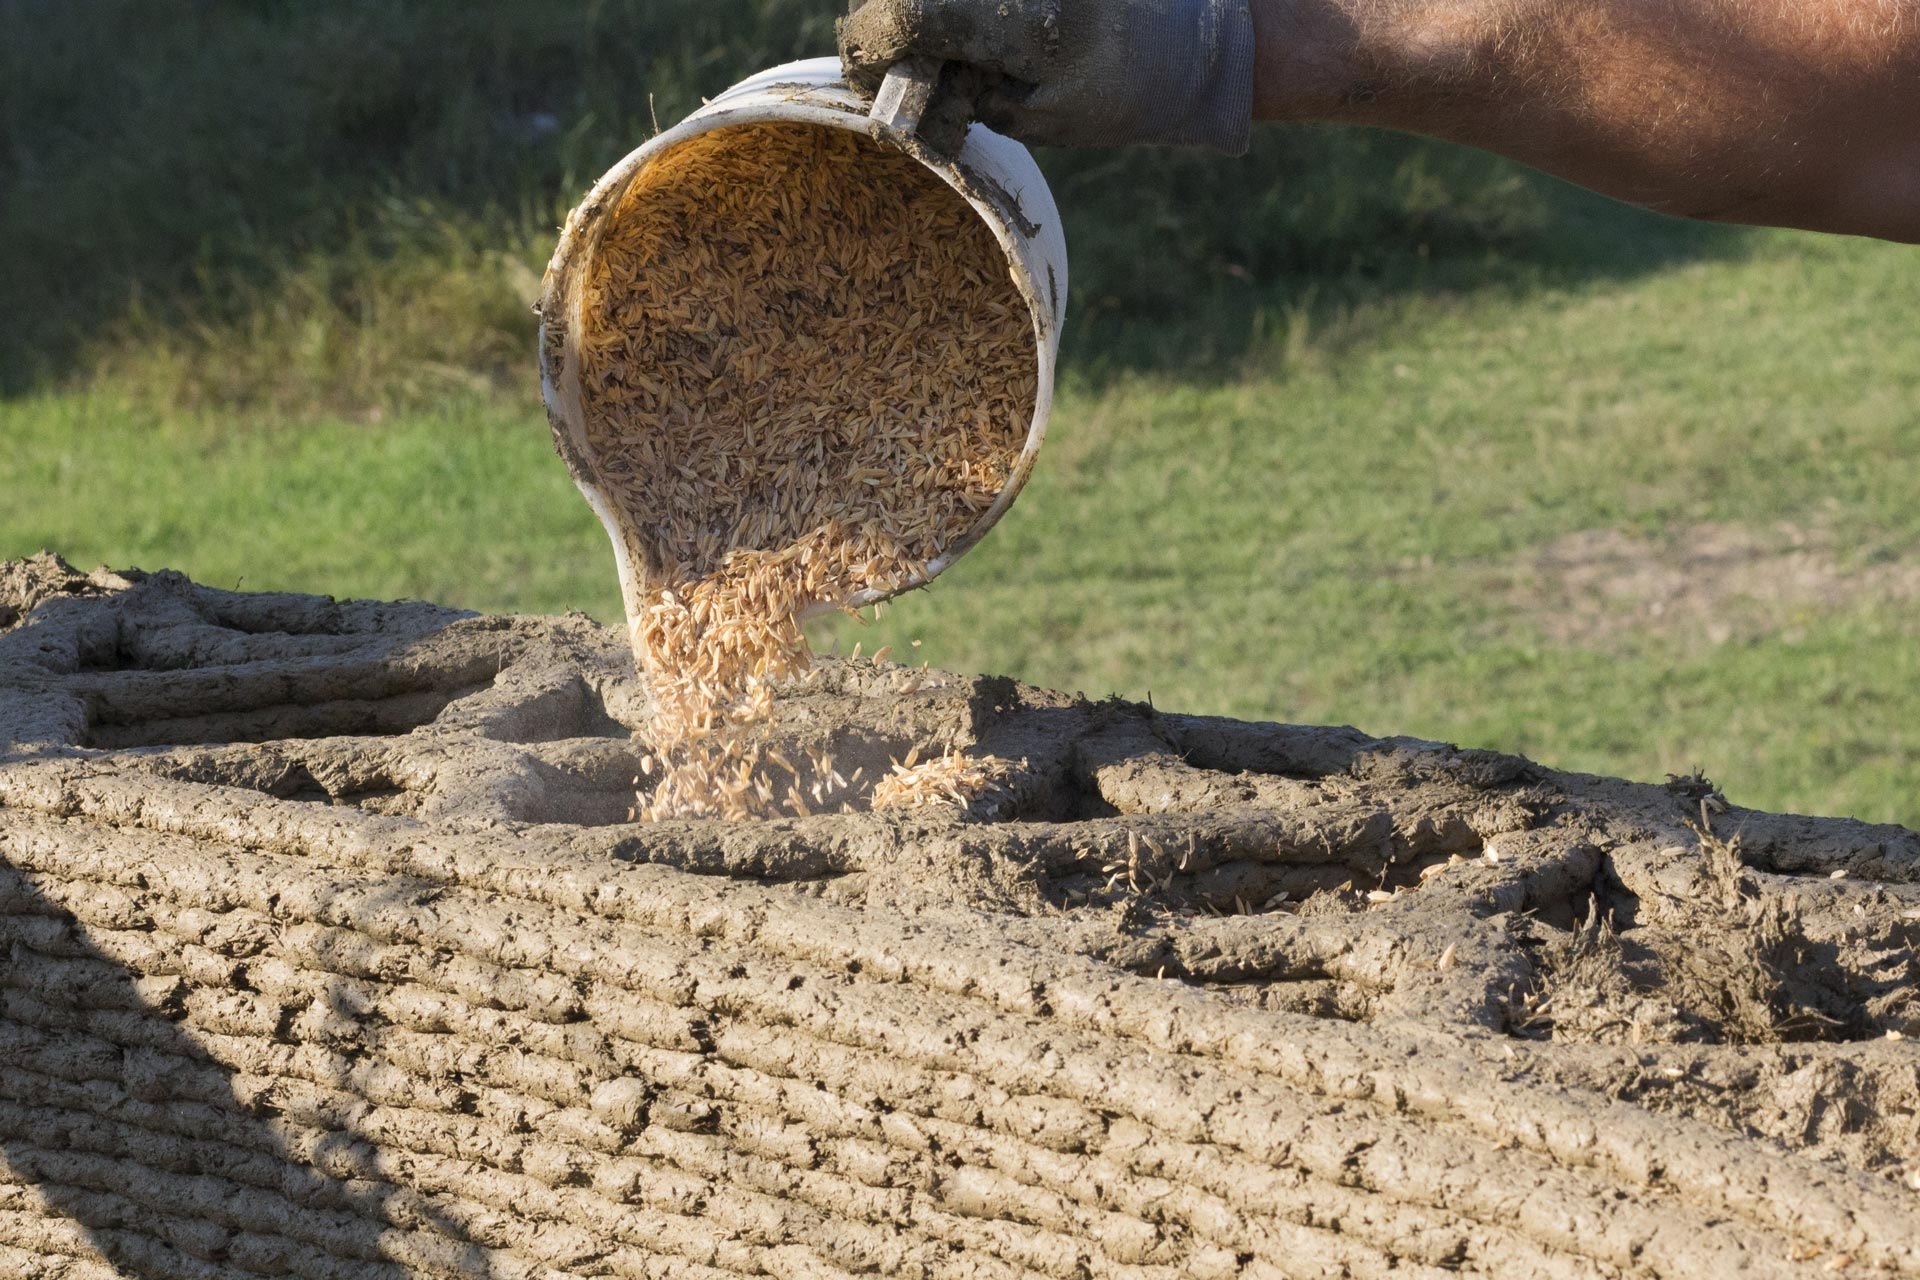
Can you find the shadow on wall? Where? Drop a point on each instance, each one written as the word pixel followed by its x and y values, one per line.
pixel 180 1095
pixel 123 1136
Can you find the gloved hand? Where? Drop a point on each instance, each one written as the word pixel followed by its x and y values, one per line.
pixel 1074 73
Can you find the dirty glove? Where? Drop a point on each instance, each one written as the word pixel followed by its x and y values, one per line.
pixel 1074 73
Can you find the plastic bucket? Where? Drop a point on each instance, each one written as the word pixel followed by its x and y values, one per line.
pixel 997 176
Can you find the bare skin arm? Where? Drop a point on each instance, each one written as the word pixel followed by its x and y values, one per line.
pixel 1799 113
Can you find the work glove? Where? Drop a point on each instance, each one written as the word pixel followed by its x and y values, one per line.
pixel 1073 73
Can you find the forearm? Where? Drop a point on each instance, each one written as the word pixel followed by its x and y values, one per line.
pixel 1789 112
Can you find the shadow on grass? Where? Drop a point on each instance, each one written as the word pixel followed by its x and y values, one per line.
pixel 1218 294
pixel 355 195
pixel 165 164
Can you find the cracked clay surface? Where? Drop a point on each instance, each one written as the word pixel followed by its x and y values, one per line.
pixel 327 950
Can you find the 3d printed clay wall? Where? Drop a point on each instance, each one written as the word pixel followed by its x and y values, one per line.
pixel 326 950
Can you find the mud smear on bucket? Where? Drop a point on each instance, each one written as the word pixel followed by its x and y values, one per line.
pixel 806 375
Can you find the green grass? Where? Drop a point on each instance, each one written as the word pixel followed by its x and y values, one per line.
pixel 468 506
pixel 1309 536
pixel 1312 539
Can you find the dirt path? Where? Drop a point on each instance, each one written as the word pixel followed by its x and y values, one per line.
pixel 1701 586
pixel 330 953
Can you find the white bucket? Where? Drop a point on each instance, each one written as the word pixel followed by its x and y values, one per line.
pixel 997 176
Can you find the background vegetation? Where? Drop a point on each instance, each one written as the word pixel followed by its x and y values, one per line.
pixel 1361 428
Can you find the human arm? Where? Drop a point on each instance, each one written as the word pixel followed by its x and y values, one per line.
pixel 1791 112
pixel 1801 113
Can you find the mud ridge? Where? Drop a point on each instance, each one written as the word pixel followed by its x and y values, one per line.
pixel 330 952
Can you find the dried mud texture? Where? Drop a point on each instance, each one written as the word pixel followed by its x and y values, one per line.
pixel 330 954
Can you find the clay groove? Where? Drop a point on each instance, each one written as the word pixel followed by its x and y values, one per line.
pixel 956 1135
pixel 388 1046
pixel 1148 1090
pixel 461 1192
pixel 657 1077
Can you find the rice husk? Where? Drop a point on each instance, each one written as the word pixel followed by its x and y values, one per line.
pixel 806 374
pixel 951 779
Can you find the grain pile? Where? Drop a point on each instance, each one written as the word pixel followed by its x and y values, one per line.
pixel 951 778
pixel 807 374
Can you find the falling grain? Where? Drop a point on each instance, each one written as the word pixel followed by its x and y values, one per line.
pixel 806 375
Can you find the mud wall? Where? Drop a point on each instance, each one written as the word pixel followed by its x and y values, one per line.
pixel 328 953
